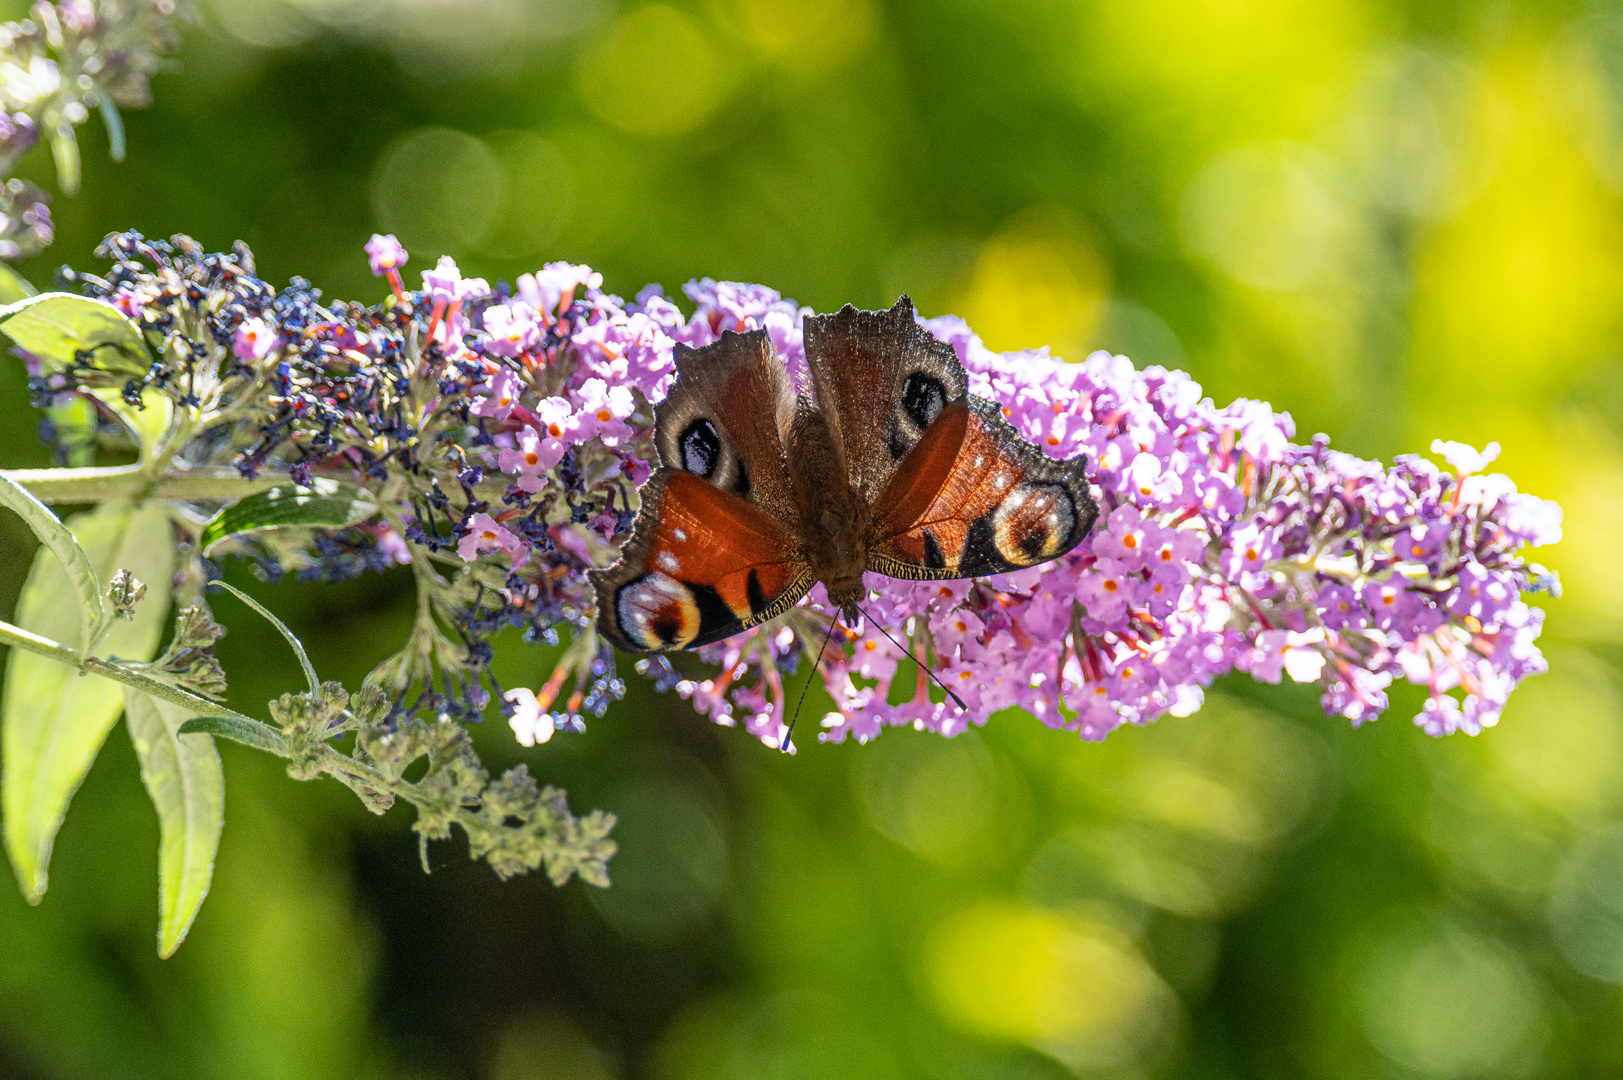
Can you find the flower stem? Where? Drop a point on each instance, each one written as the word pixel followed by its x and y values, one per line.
pixel 132 481
pixel 19 638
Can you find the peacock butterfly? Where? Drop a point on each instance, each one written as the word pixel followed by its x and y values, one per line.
pixel 889 465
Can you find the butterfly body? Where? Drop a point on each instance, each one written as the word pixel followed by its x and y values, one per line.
pixel 889 465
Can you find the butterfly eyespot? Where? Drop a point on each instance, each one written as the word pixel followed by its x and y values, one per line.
pixel 923 398
pixel 657 612
pixel 1033 524
pixel 700 447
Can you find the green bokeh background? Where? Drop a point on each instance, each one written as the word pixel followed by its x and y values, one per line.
pixel 1396 222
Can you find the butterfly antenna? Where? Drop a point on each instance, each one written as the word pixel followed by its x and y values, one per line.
pixel 956 700
pixel 786 746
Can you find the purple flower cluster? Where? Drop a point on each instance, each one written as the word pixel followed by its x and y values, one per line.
pixel 1221 546
pixel 504 429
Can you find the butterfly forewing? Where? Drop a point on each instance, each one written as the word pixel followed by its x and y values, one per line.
pixel 972 497
pixel 725 418
pixel 702 565
pixel 881 379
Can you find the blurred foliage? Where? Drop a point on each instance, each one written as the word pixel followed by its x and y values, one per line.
pixel 1399 222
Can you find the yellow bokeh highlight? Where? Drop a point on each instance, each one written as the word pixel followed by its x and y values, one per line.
pixel 1039 280
pixel 806 35
pixel 1066 984
pixel 1523 290
pixel 653 73
pixel 1589 486
pixel 1285 57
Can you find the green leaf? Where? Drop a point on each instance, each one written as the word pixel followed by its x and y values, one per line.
pixel 182 774
pixel 13 286
pixel 146 425
pixel 326 504
pixel 55 326
pixel 113 122
pixel 53 720
pixel 238 729
pixel 75 564
pixel 74 418
pixel 65 149
pixel 292 639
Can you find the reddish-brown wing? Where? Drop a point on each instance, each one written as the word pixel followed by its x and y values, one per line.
pixel 880 379
pixel 726 416
pixel 702 564
pixel 972 497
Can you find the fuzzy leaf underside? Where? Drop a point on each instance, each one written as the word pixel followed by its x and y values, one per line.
pixel 53 719
pixel 182 775
pixel 240 730
pixel 70 560
pixel 146 424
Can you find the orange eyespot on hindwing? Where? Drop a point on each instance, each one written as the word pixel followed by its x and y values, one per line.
pixel 1034 523
pixel 657 612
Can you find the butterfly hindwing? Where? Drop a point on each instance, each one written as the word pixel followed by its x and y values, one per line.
pixel 972 497
pixel 880 380
pixel 702 564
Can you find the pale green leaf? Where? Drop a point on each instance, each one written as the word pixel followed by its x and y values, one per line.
pixel 13 286
pixel 182 774
pixel 148 424
pixel 73 563
pixel 55 326
pixel 240 729
pixel 74 418
pixel 53 719
pixel 326 504
pixel 65 149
